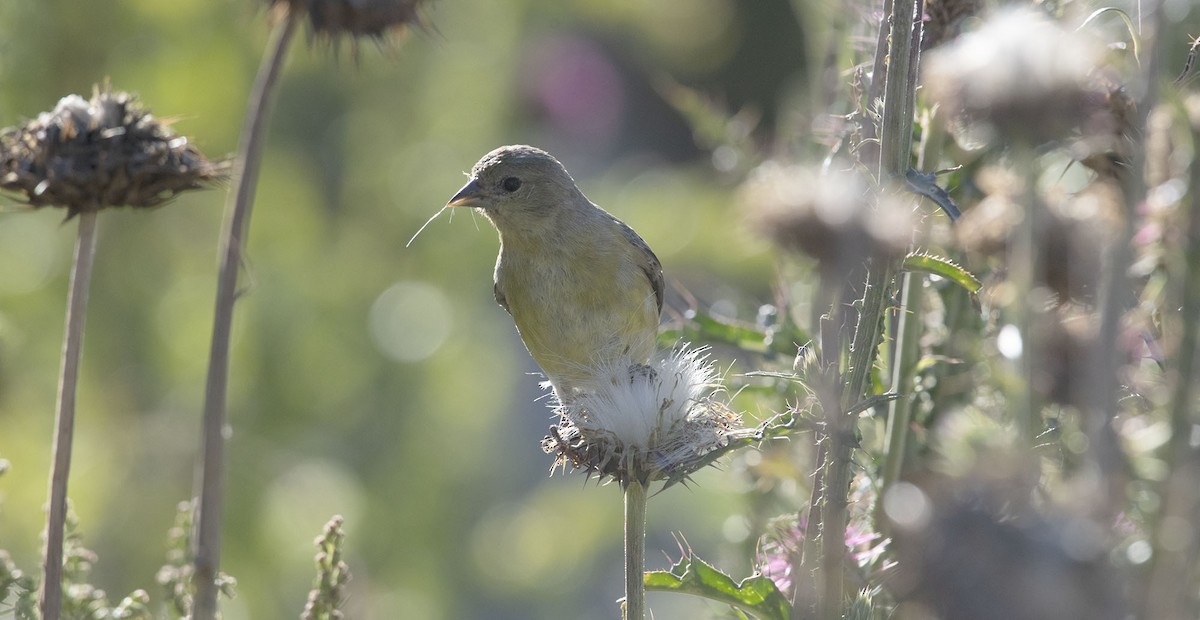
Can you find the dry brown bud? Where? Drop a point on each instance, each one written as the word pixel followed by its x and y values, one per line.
pixel 356 18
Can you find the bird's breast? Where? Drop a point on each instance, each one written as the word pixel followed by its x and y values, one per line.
pixel 576 308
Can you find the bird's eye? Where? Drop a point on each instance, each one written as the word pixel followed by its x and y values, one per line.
pixel 511 184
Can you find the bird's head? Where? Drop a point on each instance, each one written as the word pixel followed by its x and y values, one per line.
pixel 519 187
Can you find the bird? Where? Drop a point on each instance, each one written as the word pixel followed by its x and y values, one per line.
pixel 584 290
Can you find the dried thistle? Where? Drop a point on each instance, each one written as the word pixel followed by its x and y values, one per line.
pixel 644 423
pixel 1106 129
pixel 88 155
pixel 373 19
pixel 1077 233
pixel 976 548
pixel 944 20
pixel 828 215
pixel 1074 229
pixel 1021 77
pixel 986 228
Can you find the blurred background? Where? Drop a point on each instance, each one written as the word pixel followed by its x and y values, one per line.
pixel 370 379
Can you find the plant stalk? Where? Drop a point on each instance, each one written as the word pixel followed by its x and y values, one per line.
pixel 806 561
pixel 1115 293
pixel 635 550
pixel 899 92
pixel 869 148
pixel 50 596
pixel 1172 564
pixel 899 96
pixel 1025 256
pixel 211 469
pixel 908 335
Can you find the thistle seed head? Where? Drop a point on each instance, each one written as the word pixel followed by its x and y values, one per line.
pixel 829 215
pixel 356 19
pixel 644 422
pixel 109 151
pixel 1020 77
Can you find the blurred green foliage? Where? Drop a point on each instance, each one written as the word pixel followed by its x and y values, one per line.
pixel 370 379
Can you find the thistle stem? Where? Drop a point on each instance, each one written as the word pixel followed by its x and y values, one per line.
pixel 1024 401
pixel 899 92
pixel 635 550
pixel 1171 568
pixel 50 597
pixel 211 469
pixel 908 333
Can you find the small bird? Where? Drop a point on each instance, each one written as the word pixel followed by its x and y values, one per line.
pixel 584 290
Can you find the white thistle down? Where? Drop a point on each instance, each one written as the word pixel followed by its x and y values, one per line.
pixel 644 422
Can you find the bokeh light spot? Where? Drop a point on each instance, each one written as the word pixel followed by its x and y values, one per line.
pixel 1009 343
pixel 907 506
pixel 410 321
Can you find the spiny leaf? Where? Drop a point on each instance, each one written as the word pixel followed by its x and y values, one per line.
pixel 756 595
pixel 942 267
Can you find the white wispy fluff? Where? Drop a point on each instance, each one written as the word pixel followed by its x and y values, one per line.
pixel 651 421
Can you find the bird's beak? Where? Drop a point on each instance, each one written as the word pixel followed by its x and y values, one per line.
pixel 469 196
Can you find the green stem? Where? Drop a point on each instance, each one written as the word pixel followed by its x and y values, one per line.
pixel 833 526
pixel 908 335
pixel 895 154
pixel 869 151
pixel 899 95
pixel 899 92
pixel 807 558
pixel 211 469
pixel 805 586
pixel 50 597
pixel 1115 293
pixel 1023 398
pixel 1172 563
pixel 635 550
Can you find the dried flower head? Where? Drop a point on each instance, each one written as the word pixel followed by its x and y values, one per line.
pixel 1063 338
pixel 827 215
pixel 944 20
pixel 1074 229
pixel 1079 230
pixel 1105 143
pixel 356 18
pixel 1020 77
pixel 88 155
pixel 644 422
pixel 985 229
pixel 968 549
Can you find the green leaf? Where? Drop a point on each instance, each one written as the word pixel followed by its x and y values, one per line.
pixel 873 401
pixel 756 595
pixel 926 185
pixel 786 376
pixel 942 267
pixel 710 329
pixel 1133 36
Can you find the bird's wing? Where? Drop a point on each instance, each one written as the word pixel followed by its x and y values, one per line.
pixel 500 297
pixel 647 261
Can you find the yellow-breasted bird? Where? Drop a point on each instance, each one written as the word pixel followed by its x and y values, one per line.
pixel 584 290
